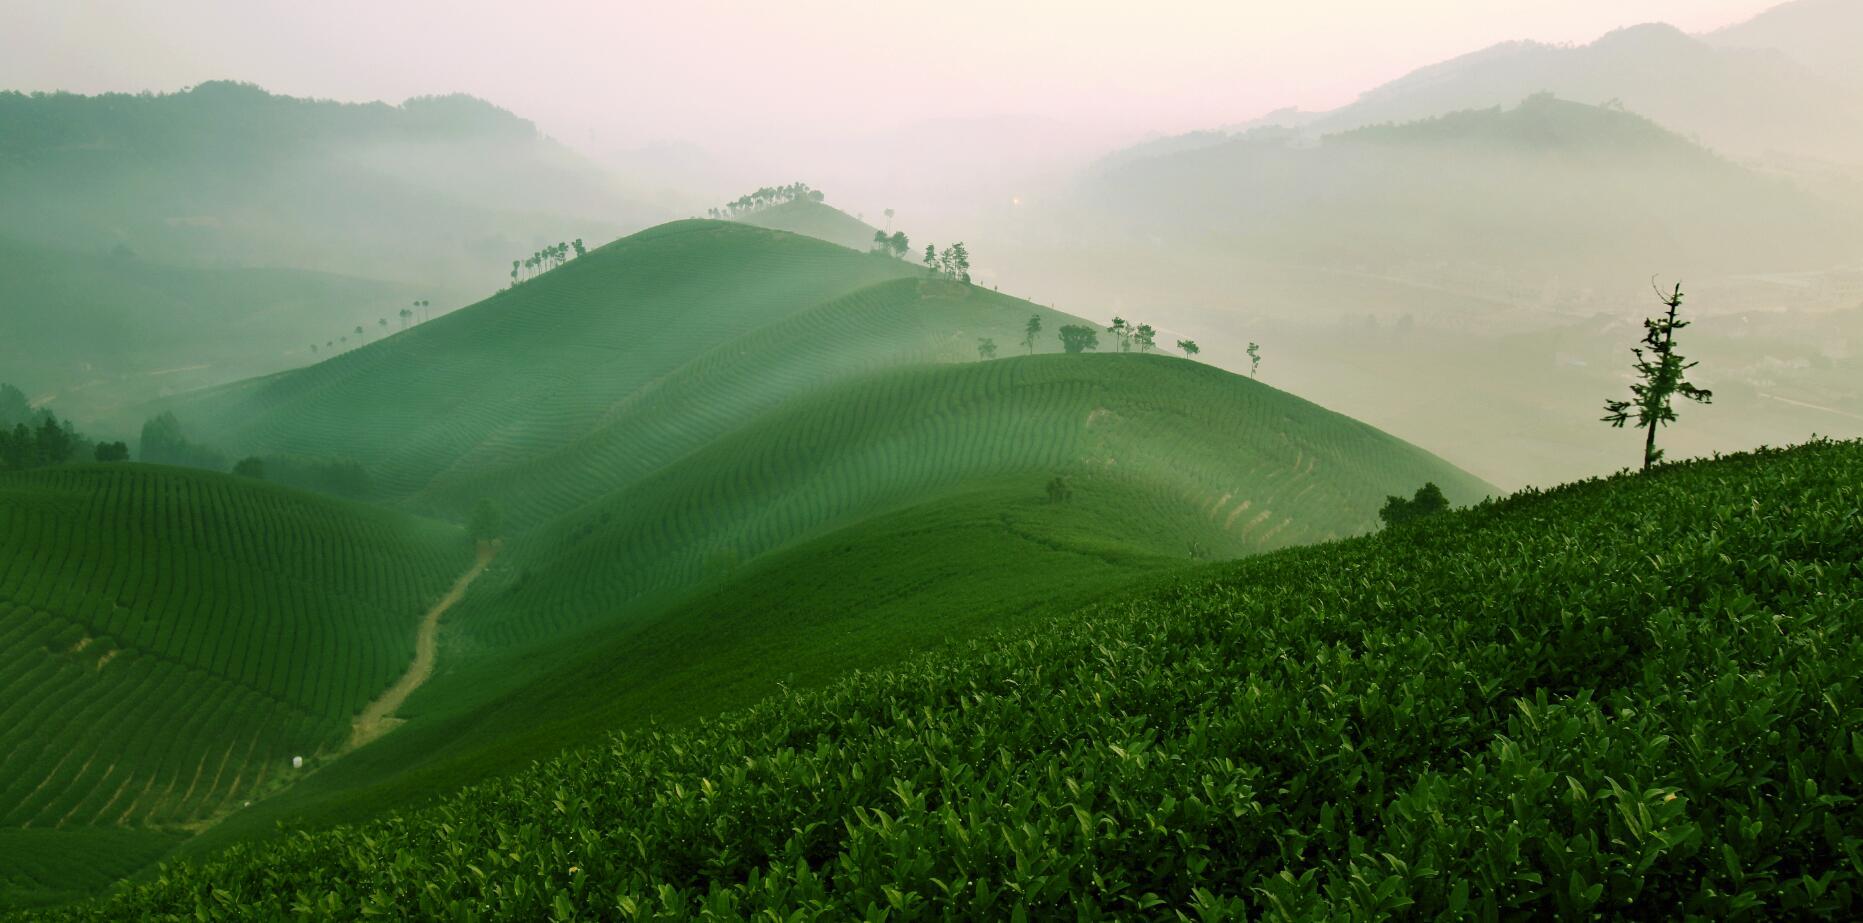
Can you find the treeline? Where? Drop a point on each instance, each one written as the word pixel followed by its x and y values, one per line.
pixel 32 438
pixel 953 261
pixel 763 198
pixel 165 441
pixel 544 260
pixel 895 245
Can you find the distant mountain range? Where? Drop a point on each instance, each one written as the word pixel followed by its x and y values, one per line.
pixel 1548 187
pixel 441 189
pixel 1784 86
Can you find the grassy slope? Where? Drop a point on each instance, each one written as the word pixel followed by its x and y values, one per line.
pixel 537 366
pixel 1229 464
pixel 170 639
pixel 1636 695
pixel 817 220
pixel 743 440
pixel 878 517
pixel 714 393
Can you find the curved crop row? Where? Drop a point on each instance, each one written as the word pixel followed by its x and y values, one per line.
pixel 169 640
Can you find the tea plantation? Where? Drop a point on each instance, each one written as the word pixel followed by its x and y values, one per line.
pixel 1198 458
pixel 1632 696
pixel 171 639
pixel 534 366
pixel 858 524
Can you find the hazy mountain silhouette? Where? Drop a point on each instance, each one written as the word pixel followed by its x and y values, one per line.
pixel 227 174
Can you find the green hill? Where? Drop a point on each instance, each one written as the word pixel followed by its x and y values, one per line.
pixel 889 513
pixel 171 639
pixel 1632 695
pixel 536 366
pixel 814 219
pixel 734 461
pixel 1191 459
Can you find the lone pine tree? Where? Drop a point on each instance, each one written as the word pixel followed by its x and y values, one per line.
pixel 1662 371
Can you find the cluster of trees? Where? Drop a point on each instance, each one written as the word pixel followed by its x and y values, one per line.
pixel 952 261
pixel 37 438
pixel 165 442
pixel 1078 338
pixel 1428 501
pixel 545 260
pixel 1130 335
pixel 51 442
pixel 894 244
pixel 765 198
pixel 419 308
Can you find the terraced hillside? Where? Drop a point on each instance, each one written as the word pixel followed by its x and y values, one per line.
pixel 1205 464
pixel 169 640
pixel 538 365
pixel 1634 696
pixel 889 325
pixel 893 512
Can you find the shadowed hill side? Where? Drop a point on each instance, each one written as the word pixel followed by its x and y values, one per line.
pixel 538 365
pixel 1227 467
pixel 172 638
pixel 902 322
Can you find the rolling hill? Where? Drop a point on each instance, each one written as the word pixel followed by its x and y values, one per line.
pixel 735 460
pixel 888 514
pixel 1513 710
pixel 538 365
pixel 171 639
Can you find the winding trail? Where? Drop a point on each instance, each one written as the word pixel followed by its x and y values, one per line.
pixel 378 718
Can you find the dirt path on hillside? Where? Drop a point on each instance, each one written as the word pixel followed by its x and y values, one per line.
pixel 379 717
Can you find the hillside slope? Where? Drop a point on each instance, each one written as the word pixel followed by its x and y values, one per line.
pixel 538 365
pixel 171 639
pixel 887 514
pixel 814 219
pixel 1215 466
pixel 1513 710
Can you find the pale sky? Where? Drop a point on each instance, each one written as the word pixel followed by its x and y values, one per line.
pixel 610 75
